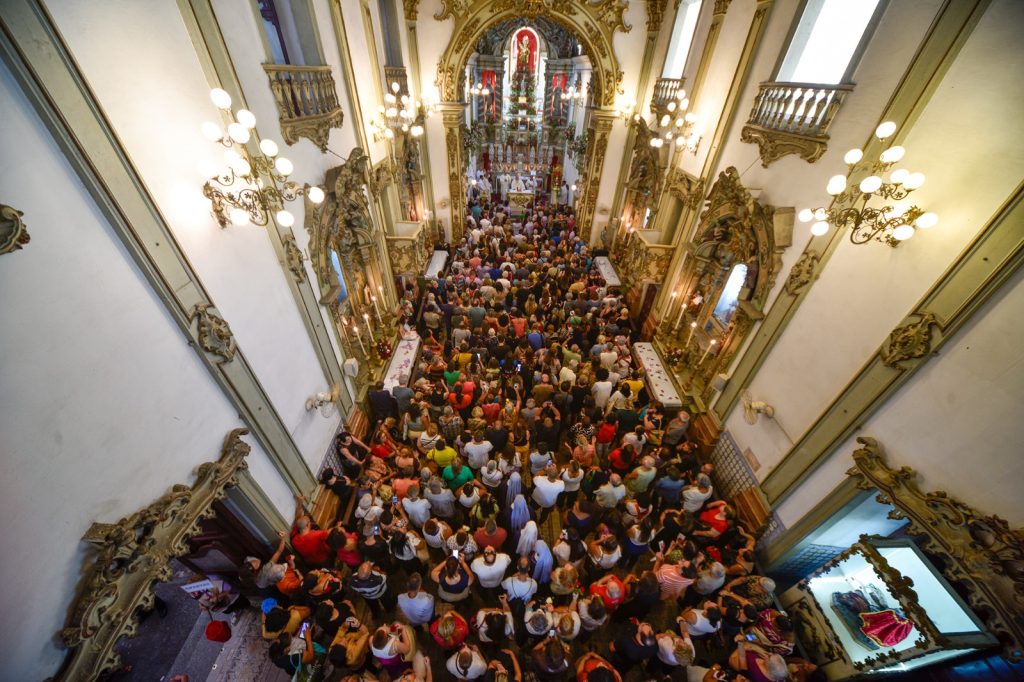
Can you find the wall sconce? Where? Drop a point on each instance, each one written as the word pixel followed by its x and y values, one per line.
pixel 890 224
pixel 674 126
pixel 254 184
pixel 325 402
pixel 402 114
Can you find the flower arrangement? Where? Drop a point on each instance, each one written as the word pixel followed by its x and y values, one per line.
pixel 384 349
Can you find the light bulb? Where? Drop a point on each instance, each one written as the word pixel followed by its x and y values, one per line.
pixel 220 98
pixel 671 106
pixel 820 214
pixel 211 131
pixel 238 217
pixel 690 118
pixel 870 184
pixel 238 132
pixel 246 118
pixel 269 147
pixel 892 154
pixel 389 133
pixel 819 228
pixel 405 98
pixel 285 218
pixel 903 233
pixel 665 120
pixel 395 87
pixel 669 135
pixel 572 187
pixel 805 215
pixel 895 212
pixel 315 194
pixel 899 176
pixel 681 95
pixel 284 166
pixel 391 112
pixel 242 167
pixel 679 122
pixel 853 156
pixel 417 131
pixel 885 130
pixel 836 185
pixel 684 104
pixel 926 220
pixel 914 180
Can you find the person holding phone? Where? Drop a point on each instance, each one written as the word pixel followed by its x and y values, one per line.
pixel 453 578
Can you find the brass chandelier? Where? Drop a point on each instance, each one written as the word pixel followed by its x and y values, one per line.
pixel 400 114
pixel 254 185
pixel 890 223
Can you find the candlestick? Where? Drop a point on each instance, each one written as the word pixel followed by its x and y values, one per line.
pixel 708 351
pixel 344 332
pixel 693 328
pixel 359 338
pixel 369 329
pixel 671 304
pixel 679 320
pixel 376 310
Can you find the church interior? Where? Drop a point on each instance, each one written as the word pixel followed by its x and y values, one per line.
pixel 597 340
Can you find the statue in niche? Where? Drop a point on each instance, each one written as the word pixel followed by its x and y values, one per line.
pixel 353 206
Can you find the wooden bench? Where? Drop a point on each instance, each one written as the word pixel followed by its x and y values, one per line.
pixel 327 509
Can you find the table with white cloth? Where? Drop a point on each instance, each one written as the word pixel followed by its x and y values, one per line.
pixel 658 379
pixel 436 265
pixel 403 361
pixel 607 270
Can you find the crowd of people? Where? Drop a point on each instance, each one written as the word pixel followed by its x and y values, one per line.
pixel 521 509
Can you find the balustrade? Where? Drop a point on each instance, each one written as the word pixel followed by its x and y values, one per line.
pixel 307 102
pixel 793 118
pixel 665 90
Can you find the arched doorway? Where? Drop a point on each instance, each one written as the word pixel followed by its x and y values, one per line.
pixel 592 25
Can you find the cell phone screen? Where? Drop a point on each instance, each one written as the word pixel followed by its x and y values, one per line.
pixel 305 626
pixel 455 553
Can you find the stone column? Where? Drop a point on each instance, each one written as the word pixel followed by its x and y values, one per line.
pixel 453 116
pixel 601 121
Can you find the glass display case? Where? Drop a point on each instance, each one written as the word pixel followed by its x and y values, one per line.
pixel 881 607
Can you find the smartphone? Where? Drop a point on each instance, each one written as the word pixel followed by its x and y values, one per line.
pixel 455 553
pixel 551 633
pixel 302 630
pixel 376 530
pixel 394 499
pixel 751 638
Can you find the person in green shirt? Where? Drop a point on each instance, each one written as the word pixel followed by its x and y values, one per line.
pixel 456 474
pixel 442 455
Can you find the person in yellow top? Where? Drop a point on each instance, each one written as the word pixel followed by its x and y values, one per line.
pixel 635 383
pixel 442 455
pixel 280 620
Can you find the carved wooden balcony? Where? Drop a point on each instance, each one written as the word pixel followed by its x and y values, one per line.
pixel 665 91
pixel 793 118
pixel 396 74
pixel 307 102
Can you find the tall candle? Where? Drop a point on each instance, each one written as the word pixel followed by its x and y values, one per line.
pixel 671 304
pixel 380 290
pixel 376 310
pixel 679 320
pixel 708 351
pixel 369 329
pixel 359 338
pixel 693 328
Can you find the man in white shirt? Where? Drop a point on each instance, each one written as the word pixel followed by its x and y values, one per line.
pixel 611 493
pixel 521 585
pixel 417 605
pixel 602 389
pixel 695 496
pixel 478 451
pixel 608 356
pixel 490 569
pixel 416 508
pixel 467 663
pixel 568 373
pixel 546 490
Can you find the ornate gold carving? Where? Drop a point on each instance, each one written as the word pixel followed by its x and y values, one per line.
pixel 13 234
pixel 412 10
pixel 772 145
pixel 685 187
pixel 812 630
pixel 409 254
pixel 456 177
pixel 133 555
pixel 316 129
pixel 381 177
pixel 655 15
pixel 213 333
pixel 307 102
pixel 802 273
pixel 294 259
pixel 593 22
pixel 644 171
pixel 982 554
pixel 911 341
pixel 722 6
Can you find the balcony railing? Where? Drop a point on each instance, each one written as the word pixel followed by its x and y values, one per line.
pixel 665 90
pixel 307 102
pixel 396 74
pixel 793 118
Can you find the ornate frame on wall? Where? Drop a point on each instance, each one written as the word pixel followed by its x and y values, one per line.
pixel 982 556
pixel 132 556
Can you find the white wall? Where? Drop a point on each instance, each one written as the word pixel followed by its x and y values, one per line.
pixel 103 405
pixel 151 86
pixel 865 291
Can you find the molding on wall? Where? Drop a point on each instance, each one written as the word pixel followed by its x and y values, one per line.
pixel 212 51
pixel 32 48
pixel 946 36
pixel 257 508
pixel 966 286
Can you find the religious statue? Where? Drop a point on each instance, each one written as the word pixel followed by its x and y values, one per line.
pixel 523 61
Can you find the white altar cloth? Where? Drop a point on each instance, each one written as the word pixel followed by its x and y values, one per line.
pixel 607 270
pixel 436 265
pixel 403 360
pixel 659 381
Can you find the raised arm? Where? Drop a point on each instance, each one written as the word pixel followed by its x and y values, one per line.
pixel 283 538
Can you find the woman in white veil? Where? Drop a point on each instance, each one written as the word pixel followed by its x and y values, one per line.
pixel 528 539
pixel 543 562
pixel 513 488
